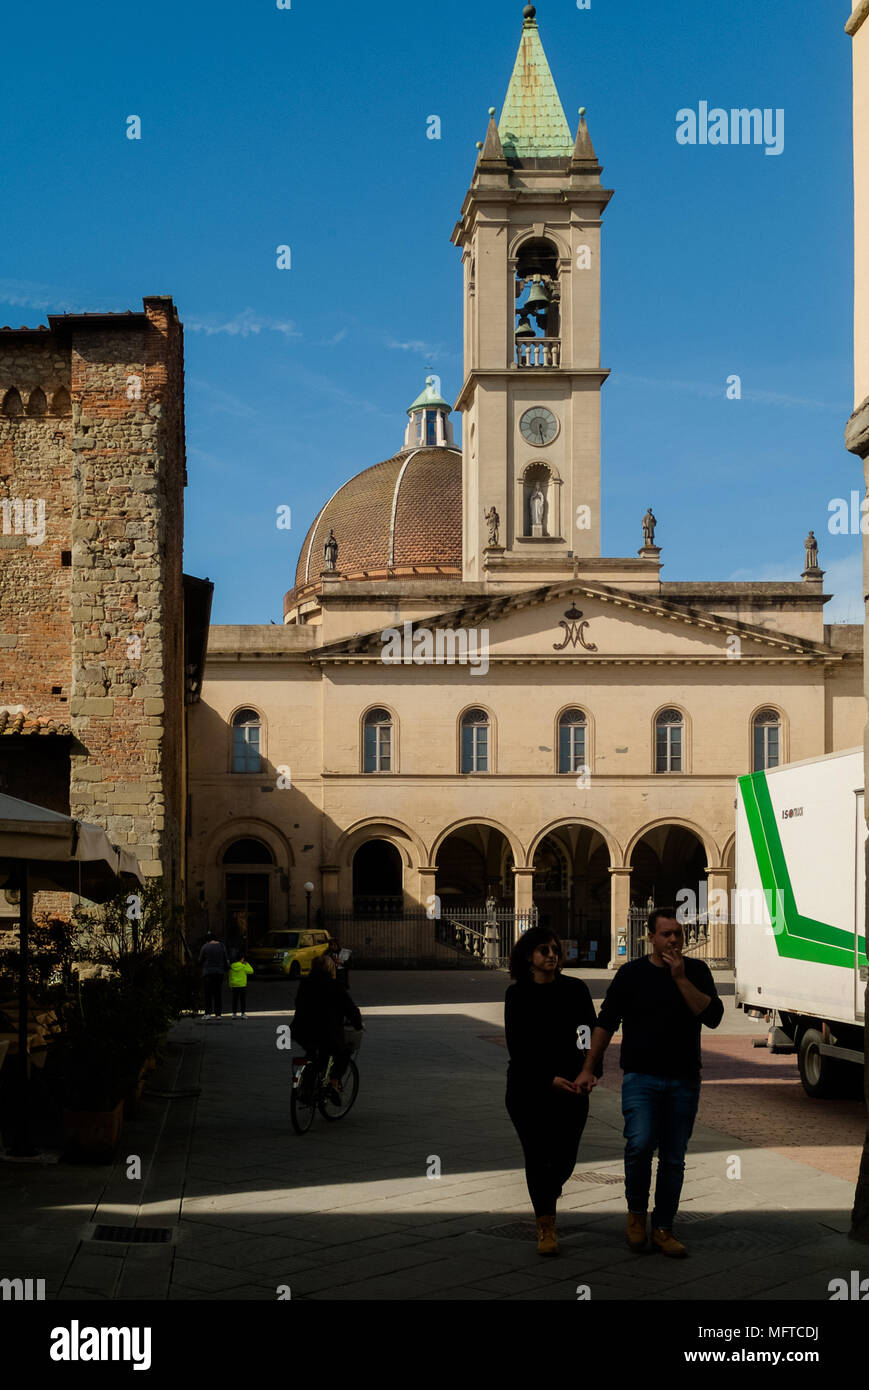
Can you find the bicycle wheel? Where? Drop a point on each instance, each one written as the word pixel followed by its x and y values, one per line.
pixel 303 1098
pixel 336 1109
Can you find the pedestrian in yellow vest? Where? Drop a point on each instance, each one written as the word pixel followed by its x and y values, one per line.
pixel 238 973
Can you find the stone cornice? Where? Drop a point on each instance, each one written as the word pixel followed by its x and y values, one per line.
pixel 513 373
pixel 595 659
pixel 860 12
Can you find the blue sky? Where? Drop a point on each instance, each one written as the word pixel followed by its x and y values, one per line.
pixel 307 127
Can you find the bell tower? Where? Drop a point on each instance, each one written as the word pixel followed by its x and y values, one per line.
pixel 530 239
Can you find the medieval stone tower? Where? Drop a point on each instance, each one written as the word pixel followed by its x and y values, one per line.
pixel 92 622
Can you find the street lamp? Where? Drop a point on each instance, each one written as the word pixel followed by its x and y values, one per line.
pixel 309 888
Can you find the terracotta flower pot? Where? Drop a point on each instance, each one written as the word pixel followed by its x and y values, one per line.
pixel 91 1136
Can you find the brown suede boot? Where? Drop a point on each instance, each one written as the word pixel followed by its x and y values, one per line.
pixel 667 1243
pixel 635 1231
pixel 547 1241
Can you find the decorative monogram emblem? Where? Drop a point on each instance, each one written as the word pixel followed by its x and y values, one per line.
pixel 573 632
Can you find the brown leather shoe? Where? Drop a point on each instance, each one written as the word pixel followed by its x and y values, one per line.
pixel 667 1243
pixel 547 1241
pixel 635 1232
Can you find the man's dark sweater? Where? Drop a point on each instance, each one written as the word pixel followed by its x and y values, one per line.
pixel 660 1034
pixel 541 1023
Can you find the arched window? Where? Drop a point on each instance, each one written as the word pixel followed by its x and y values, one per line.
pixel 377 741
pixel 668 741
pixel 767 740
pixel 572 742
pixel 12 403
pixel 37 404
pixel 248 852
pixel 246 731
pixel 61 404
pixel 475 741
pixel 247 877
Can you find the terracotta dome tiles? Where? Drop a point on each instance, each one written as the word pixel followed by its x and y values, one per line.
pixel 404 514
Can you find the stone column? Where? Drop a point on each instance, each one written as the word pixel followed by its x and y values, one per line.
pixel 427 889
pixel 620 901
pixel 330 885
pixel 721 945
pixel 523 896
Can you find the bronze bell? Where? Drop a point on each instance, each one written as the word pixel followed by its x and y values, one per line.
pixel 538 300
pixel 524 328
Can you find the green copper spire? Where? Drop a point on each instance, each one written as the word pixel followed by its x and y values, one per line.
pixel 429 397
pixel 533 124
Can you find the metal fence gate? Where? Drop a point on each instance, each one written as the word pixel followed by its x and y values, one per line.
pixel 414 940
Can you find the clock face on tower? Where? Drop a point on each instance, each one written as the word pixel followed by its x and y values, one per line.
pixel 538 425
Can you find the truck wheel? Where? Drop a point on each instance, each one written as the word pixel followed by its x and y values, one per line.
pixel 819 1074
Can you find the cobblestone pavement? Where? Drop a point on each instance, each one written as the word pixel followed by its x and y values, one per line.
pixel 350 1211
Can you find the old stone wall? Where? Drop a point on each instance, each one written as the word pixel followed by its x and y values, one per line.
pixel 91 616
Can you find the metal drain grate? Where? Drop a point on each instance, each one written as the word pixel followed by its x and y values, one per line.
pixel 514 1230
pixel 612 1179
pixel 134 1235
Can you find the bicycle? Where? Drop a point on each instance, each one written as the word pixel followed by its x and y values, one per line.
pixel 310 1090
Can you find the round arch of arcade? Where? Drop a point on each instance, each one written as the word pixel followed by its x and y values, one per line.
pixel 668 858
pixel 249 885
pixel 470 863
pixel 376 865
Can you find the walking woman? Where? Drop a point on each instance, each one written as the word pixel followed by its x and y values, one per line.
pixel 543 1015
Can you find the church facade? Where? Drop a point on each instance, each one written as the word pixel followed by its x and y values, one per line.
pixel 467 701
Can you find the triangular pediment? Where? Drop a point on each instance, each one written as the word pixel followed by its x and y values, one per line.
pixel 580 621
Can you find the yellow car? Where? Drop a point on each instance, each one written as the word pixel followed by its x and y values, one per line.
pixel 288 952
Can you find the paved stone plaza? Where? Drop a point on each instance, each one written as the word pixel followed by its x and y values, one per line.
pixel 348 1211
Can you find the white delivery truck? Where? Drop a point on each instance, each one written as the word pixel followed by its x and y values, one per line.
pixel 799 912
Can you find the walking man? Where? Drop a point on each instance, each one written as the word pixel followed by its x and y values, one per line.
pixel 661 1002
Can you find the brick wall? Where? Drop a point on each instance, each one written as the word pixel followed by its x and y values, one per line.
pixel 98 641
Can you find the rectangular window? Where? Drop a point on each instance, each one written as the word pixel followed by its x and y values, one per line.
pixel 475 748
pixel 384 748
pixel 669 748
pixel 245 749
pixel 481 748
pixel 431 428
pixel 378 748
pixel 571 747
pixel 766 747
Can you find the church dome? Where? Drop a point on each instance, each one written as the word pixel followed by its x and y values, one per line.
pixel 400 518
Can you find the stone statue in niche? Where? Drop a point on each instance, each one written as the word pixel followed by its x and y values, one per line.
pixel 536 505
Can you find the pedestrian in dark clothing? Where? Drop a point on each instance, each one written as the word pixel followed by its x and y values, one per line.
pixel 548 1021
pixel 322 1006
pixel 214 964
pixel 661 1002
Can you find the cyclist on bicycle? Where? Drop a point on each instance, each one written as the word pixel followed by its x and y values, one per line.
pixel 322 1005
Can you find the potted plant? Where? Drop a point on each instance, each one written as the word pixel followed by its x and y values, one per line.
pixel 96 1060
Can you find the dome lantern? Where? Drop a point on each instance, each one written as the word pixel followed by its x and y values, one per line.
pixel 429 426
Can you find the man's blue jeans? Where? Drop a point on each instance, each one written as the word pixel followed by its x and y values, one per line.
pixel 659 1114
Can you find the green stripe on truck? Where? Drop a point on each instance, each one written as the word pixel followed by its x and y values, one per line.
pixel 797 937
